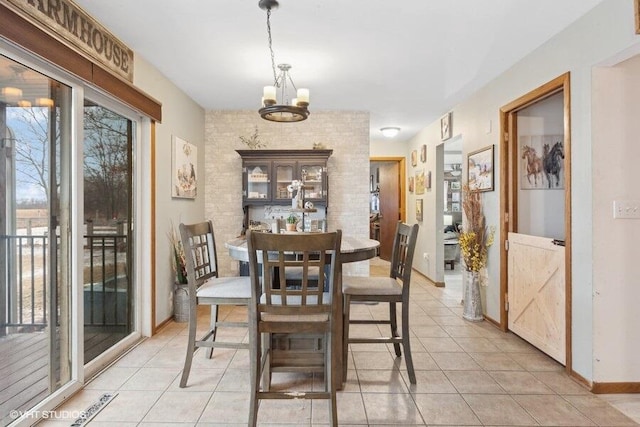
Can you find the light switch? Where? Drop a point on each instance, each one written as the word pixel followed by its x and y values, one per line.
pixel 626 209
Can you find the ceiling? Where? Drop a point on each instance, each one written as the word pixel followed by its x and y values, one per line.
pixel 406 62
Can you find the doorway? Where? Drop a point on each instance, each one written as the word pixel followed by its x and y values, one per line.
pixel 452 218
pixel 536 219
pixel 387 205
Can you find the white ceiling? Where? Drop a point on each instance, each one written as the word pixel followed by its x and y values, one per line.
pixel 407 62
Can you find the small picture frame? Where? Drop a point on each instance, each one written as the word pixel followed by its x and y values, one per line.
pixel 419 209
pixel 420 182
pixel 455 185
pixel 445 127
pixel 414 158
pixel 480 169
pixel 423 153
pixel 184 169
pixel 428 181
pixel 411 184
pixel 455 207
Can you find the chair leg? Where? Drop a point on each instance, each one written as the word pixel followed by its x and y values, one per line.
pixel 408 360
pixel 255 354
pixel 329 385
pixel 393 320
pixel 191 346
pixel 213 328
pixel 345 335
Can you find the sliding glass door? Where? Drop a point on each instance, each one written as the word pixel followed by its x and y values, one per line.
pixel 108 289
pixel 36 247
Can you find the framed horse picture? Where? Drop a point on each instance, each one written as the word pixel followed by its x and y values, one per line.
pixel 542 162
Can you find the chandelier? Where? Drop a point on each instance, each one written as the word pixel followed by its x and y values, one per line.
pixel 289 109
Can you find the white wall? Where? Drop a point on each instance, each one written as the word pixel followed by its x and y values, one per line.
pixel 603 33
pixel 616 153
pixel 184 118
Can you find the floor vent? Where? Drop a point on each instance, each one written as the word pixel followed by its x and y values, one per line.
pixel 93 410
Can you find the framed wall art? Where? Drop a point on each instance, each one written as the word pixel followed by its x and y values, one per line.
pixel 184 169
pixel 445 127
pixel 480 169
pixel 419 209
pixel 411 184
pixel 423 153
pixel 414 158
pixel 420 182
pixel 542 162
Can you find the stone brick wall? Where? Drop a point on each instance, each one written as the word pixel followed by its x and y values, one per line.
pixel 345 132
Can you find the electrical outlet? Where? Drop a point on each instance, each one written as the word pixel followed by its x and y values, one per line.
pixel 626 209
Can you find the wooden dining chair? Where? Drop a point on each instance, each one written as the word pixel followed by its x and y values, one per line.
pixel 305 310
pixel 393 290
pixel 207 288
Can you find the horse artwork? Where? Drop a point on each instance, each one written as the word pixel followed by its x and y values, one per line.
pixel 533 166
pixel 542 162
pixel 553 161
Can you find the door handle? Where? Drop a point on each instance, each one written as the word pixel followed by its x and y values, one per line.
pixel 558 242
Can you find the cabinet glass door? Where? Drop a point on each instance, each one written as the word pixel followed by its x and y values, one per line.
pixel 284 176
pixel 257 181
pixel 313 178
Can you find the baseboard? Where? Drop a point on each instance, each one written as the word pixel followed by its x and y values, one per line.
pixel 435 283
pixel 611 388
pixel 580 379
pixel 160 325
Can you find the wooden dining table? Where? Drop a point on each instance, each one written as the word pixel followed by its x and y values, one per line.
pixel 352 249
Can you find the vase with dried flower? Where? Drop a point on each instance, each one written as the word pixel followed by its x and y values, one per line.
pixel 179 266
pixel 474 241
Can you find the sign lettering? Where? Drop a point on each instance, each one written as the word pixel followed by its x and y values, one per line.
pixel 67 21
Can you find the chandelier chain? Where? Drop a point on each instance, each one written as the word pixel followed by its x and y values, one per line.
pixel 273 57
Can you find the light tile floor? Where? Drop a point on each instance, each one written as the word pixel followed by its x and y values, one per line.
pixel 468 374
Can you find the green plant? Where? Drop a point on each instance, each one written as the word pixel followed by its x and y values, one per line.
pixel 292 219
pixel 179 263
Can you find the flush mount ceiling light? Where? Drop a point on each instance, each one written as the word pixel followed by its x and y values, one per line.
pixel 289 109
pixel 390 131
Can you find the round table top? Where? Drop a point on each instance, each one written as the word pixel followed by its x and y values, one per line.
pixel 352 249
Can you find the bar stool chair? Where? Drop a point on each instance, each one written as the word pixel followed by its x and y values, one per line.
pixel 393 289
pixel 206 288
pixel 305 312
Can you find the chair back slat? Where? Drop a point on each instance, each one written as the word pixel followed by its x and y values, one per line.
pixel 317 254
pixel 404 246
pixel 199 247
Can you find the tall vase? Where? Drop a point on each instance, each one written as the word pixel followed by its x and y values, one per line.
pixel 472 307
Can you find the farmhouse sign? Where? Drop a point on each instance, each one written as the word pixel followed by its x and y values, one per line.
pixel 69 23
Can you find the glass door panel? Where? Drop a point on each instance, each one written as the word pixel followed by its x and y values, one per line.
pixel 284 176
pixel 258 181
pixel 108 290
pixel 35 238
pixel 313 178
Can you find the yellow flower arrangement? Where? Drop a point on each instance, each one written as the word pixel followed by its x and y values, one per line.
pixel 477 238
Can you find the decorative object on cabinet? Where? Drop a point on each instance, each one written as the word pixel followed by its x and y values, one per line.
pixel 445 126
pixel 414 158
pixel 419 209
pixel 420 182
pixel 423 153
pixel 480 169
pixel 184 169
pixel 290 109
pixel 253 141
pixel 292 221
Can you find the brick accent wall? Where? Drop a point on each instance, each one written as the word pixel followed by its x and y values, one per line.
pixel 345 132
